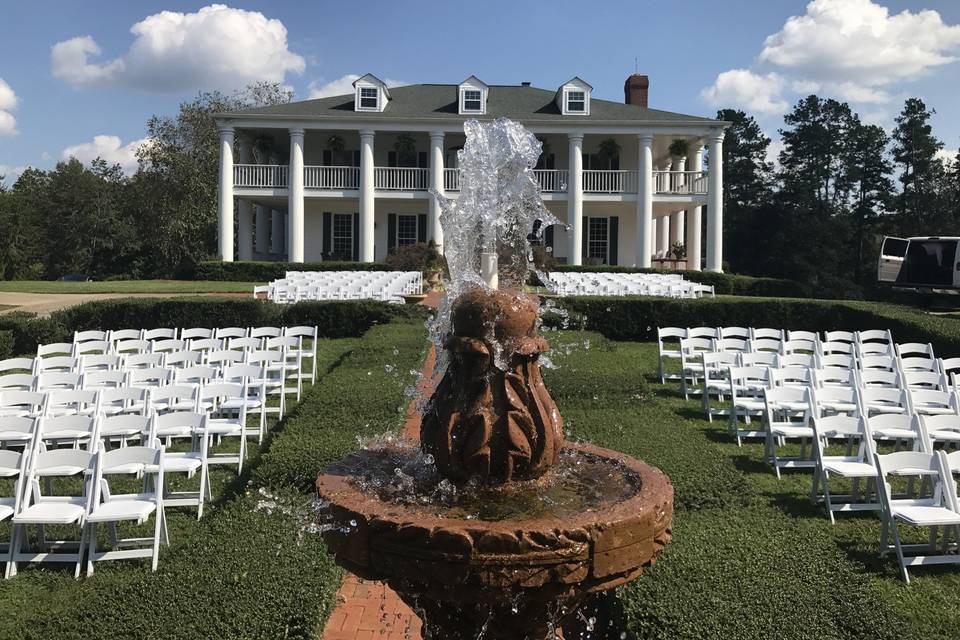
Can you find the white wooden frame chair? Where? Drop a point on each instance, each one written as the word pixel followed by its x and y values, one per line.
pixel 787 418
pixel 291 347
pixel 746 400
pixel 931 402
pixel 19 382
pixel 110 508
pixel 17 431
pixel 22 403
pixel 227 419
pixel 856 467
pixel 716 381
pixel 668 348
pixel 691 351
pixel 119 430
pixel 186 462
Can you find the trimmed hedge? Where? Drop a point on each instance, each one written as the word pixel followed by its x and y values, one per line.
pixel 637 319
pixel 723 283
pixel 267 271
pixel 6 344
pixel 335 319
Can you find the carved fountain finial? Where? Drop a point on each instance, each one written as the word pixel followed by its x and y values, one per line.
pixel 498 424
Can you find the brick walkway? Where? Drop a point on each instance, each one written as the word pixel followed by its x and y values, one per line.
pixel 371 610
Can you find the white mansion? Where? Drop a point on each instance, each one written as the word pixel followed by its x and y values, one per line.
pixel 348 177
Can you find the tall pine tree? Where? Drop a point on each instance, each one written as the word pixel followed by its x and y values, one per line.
pixel 915 153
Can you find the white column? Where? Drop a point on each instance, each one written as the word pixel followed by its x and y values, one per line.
pixel 645 200
pixel 575 199
pixel 715 204
pixel 694 249
pixel 295 207
pixel 276 232
pixel 261 231
pixel 677 219
pixel 434 230
pixel 663 236
pixel 225 196
pixel 367 196
pixel 244 208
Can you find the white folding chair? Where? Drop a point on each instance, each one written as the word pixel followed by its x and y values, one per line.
pixel 876 400
pixel 17 431
pixel 746 400
pixel 856 467
pixel 71 402
pixel 227 419
pixel 185 462
pixel 58 380
pixel 136 361
pixel 108 379
pixel 931 402
pixel 787 413
pixel 110 508
pixel 691 351
pixel 101 362
pixel 19 382
pixel 766 333
pixel 74 431
pixel 159 334
pixel 668 348
pixel 14 402
pixel 196 333
pixel 716 369
pixel 120 429
pixel 230 332
pixel 123 400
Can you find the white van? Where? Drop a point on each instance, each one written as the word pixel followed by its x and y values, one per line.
pixel 920 263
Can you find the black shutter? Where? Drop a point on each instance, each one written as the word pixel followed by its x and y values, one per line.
pixel 614 239
pixel 391 158
pixel 548 237
pixel 584 246
pixel 391 232
pixel 327 234
pixel 422 228
pixel 327 158
pixel 356 236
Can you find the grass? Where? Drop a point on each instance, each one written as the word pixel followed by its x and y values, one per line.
pixel 252 567
pixel 126 286
pixel 751 558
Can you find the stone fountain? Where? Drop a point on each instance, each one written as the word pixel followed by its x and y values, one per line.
pixel 492 526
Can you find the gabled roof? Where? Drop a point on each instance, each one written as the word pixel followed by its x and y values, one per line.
pixel 575 80
pixel 439 102
pixel 475 81
pixel 374 80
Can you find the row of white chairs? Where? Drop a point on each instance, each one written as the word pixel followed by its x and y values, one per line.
pixel 626 284
pixel 386 286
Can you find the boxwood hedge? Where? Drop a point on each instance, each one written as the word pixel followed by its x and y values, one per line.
pixel 267 271
pixel 637 318
pixel 6 344
pixel 335 319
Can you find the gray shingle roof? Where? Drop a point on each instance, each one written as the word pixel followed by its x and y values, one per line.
pixel 439 101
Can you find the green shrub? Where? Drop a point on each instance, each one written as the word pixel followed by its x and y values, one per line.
pixel 267 271
pixel 6 344
pixel 335 319
pixel 637 318
pixel 723 283
pixel 28 330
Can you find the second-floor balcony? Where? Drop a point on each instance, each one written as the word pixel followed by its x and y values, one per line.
pixel 254 176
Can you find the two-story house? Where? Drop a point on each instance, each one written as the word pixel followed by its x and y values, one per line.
pixel 348 177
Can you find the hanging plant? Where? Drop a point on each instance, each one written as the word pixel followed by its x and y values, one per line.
pixel 679 148
pixel 336 143
pixel 608 150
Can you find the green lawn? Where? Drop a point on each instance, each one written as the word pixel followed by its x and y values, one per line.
pixel 127 286
pixel 751 558
pixel 254 566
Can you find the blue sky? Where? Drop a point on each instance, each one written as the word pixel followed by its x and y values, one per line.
pixel 59 96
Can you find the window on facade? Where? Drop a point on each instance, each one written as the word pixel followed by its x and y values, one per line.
pixel 598 238
pixel 576 101
pixel 342 245
pixel 472 100
pixel 369 98
pixel 406 230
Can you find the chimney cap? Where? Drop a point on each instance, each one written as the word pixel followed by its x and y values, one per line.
pixel 524 84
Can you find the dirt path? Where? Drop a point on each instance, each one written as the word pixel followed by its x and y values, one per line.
pixel 44 304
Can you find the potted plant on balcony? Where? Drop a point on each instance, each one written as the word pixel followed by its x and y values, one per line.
pixel 608 153
pixel 678 251
pixel 679 148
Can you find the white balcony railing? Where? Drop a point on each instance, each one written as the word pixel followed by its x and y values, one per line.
pixel 609 181
pixel 451 179
pixel 681 182
pixel 317 177
pixel 401 178
pixel 265 176
pixel 551 180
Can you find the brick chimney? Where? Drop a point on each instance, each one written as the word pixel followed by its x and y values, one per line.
pixel 635 90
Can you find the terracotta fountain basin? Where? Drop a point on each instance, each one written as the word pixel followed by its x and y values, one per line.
pixel 512 578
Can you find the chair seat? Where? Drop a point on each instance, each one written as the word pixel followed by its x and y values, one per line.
pixel 791 406
pixel 129 468
pixel 180 462
pixel 6 508
pixel 15 436
pixel 894 433
pixel 749 404
pixel 53 512
pixel 128 507
pixel 925 516
pixel 224 428
pixel 933 410
pixel 791 432
pixel 238 403
pixel 940 434
pixel 839 407
pixel 175 432
pixel 848 467
pixel 882 407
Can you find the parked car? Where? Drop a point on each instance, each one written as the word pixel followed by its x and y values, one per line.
pixel 922 263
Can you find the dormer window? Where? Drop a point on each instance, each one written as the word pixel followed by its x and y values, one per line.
pixel 573 98
pixel 472 100
pixel 576 101
pixel 369 98
pixel 472 96
pixel 371 94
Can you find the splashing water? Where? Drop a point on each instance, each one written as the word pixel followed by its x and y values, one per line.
pixel 499 212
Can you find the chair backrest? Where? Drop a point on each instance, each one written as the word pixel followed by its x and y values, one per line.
pixel 928 463
pixel 168 345
pixel 11 425
pixel 196 333
pixel 925 380
pixel 792 376
pixel 173 393
pixel 797 360
pixel 941 422
pixel 142 360
pixel 60 463
pixel 703 332
pixel 124 397
pixel 58 380
pixel 19 381
pixel 693 345
pixel 160 334
pixel 55 349
pixel 239 372
pixel 731 344
pixel 16 402
pixel 840 336
pixel 244 344
pixel 765 344
pixel 777 398
pixel 125 424
pixel 57 363
pixel 766 333
pixel 189 420
pixel 832 377
pixel 836 361
pixel 915 349
pixel 665 335
pixel 180 359
pixel 925 401
pixel 809 336
pixel 68 429
pixel 883 363
pixel 224 357
pixel 195 375
pixel 749 380
pixel 205 344
pixel 825 400
pixel 90 335
pixel 103 380
pixel 865 349
pixel 760 359
pixel 838 348
pixel 742 333
pixel 919 363
pixel 305 332
pixel 149 377
pixel 283 342
pixel 798 345
pixel 266 332
pixel 120 335
pixel 122 461
pixel 845 426
pixel 947 365
pixel 132 346
pixel 882 336
pixel 100 362
pixel 230 332
pixel 19 365
pixel 91 347
pixel 883 396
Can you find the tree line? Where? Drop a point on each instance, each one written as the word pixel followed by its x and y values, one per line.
pixel 819 214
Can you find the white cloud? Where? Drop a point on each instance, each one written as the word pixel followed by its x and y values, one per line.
pixel 11 173
pixel 746 89
pixel 216 47
pixel 109 148
pixel 851 50
pixel 947 155
pixel 858 41
pixel 8 102
pixel 773 151
pixel 341 86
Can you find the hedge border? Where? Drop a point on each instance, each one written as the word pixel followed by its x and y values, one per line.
pixel 252 271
